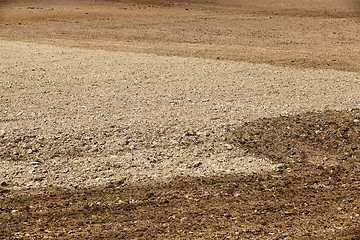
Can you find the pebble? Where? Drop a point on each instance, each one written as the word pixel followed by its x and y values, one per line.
pixel 197 164
pixel 228 146
pixel 4 184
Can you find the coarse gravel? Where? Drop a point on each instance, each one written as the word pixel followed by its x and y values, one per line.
pixel 72 117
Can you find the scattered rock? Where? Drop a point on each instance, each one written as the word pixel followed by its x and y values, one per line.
pixel 228 146
pixel 124 141
pixel 38 179
pixel 4 190
pixel 196 164
pixel 190 133
pixel 110 185
pixel 4 184
pixel 121 182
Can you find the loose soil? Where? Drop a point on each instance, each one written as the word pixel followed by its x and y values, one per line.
pixel 179 119
pixel 306 34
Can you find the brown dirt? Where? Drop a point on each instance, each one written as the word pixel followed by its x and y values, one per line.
pixel 297 203
pixel 107 141
pixel 310 34
pixel 322 138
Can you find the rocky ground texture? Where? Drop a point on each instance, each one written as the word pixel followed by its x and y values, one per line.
pixel 169 119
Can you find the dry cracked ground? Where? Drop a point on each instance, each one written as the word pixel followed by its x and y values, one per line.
pixel 180 119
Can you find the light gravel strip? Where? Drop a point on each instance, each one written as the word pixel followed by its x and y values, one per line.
pixel 153 117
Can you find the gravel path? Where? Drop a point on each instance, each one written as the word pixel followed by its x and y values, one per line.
pixel 74 117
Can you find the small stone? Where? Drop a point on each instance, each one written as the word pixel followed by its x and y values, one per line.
pixel 2 133
pixel 228 146
pixel 32 170
pixel 355 121
pixel 4 190
pixel 4 184
pixel 29 151
pixel 124 141
pixel 190 133
pixel 205 133
pixel 197 164
pixel 38 179
pixel 120 182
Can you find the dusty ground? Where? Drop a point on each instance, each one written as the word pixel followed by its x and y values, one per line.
pixel 316 34
pixel 180 119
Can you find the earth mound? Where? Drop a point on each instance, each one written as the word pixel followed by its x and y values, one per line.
pixel 327 138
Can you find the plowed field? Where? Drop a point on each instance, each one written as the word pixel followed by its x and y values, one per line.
pixel 180 119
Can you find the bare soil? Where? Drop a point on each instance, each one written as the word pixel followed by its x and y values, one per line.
pixel 179 119
pixel 305 34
